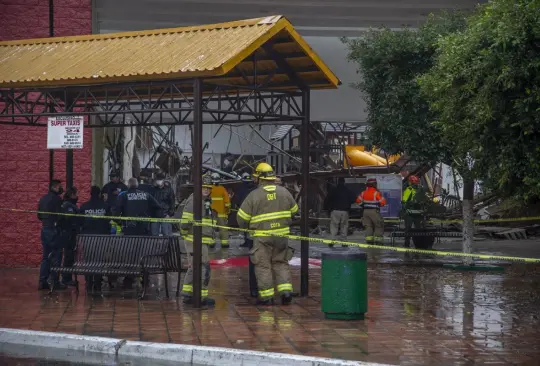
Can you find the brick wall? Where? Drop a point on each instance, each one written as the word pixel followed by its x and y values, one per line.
pixel 24 158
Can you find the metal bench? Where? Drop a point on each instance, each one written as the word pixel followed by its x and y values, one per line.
pixel 414 233
pixel 121 255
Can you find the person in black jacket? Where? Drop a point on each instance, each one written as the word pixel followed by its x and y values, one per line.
pixel 96 207
pixel 95 226
pixel 339 202
pixel 51 202
pixel 136 203
pixel 164 195
pixel 113 188
pixel 69 227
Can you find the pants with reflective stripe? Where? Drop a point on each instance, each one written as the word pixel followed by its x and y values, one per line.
pixel 339 220
pixel 373 225
pixel 187 288
pixel 223 233
pixel 270 256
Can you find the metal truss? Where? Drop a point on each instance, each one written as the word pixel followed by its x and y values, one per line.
pixel 150 103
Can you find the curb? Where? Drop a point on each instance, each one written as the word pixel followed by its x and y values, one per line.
pixel 120 349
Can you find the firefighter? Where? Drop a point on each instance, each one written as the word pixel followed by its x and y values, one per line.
pixel 208 216
pixel 247 186
pixel 412 213
pixel 221 203
pixel 266 210
pixel 69 228
pixel 371 201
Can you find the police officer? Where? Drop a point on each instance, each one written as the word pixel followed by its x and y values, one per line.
pixel 113 188
pixel 372 200
pixel 136 203
pixel 69 227
pixel 94 226
pixel 51 202
pixel 209 217
pixel 164 195
pixel 268 210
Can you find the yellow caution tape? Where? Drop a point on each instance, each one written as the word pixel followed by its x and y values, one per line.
pixel 298 237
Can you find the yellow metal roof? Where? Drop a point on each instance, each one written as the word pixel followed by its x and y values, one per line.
pixel 219 51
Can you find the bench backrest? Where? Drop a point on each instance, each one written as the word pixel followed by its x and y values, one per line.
pixel 174 257
pixel 117 250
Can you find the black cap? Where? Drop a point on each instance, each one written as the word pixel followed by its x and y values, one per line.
pixel 160 176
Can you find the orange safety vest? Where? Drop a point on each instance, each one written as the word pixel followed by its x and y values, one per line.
pixel 371 198
pixel 221 202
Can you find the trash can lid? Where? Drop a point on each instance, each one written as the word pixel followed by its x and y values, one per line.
pixel 344 254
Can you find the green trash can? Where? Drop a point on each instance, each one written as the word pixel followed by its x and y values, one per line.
pixel 344 284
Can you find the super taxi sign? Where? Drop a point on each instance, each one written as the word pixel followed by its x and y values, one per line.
pixel 65 132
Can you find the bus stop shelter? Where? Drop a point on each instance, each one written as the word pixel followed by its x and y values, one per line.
pixel 256 71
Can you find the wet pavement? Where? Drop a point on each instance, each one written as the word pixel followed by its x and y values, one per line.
pixel 416 316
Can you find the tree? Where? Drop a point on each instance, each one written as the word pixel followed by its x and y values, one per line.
pixel 399 114
pixel 485 91
pixel 389 63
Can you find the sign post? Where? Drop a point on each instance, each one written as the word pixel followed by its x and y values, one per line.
pixel 65 132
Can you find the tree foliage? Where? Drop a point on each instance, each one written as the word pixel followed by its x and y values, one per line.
pixel 389 63
pixel 484 90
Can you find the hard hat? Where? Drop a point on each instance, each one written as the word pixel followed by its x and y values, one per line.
pixel 215 177
pixel 436 199
pixel 413 179
pixel 206 181
pixel 246 177
pixel 371 181
pixel 264 171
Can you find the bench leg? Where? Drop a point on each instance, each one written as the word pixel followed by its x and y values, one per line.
pixel 166 285
pixel 178 283
pixel 144 285
pixel 51 287
pixel 76 284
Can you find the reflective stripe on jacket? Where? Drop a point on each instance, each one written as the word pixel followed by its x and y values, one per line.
pixel 221 201
pixel 186 222
pixel 268 209
pixel 371 198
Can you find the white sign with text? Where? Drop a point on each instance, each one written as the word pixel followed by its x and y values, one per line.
pixel 65 132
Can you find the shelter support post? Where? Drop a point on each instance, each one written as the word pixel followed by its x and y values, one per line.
pixel 304 222
pixel 69 168
pixel 196 146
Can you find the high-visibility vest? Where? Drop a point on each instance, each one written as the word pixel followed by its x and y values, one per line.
pixel 371 198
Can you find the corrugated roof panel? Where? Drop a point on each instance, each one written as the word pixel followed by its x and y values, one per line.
pixel 210 50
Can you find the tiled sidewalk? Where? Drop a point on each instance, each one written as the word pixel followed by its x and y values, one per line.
pixel 417 316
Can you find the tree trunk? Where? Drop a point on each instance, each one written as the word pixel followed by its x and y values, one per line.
pixel 468 225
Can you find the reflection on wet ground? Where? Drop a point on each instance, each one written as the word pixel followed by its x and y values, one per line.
pixel 416 316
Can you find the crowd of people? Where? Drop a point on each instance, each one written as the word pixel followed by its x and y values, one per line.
pixel 263 206
pixel 59 232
